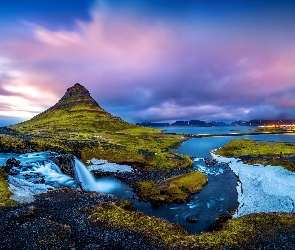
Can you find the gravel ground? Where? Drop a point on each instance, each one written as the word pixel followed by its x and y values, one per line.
pixel 53 221
pixel 58 220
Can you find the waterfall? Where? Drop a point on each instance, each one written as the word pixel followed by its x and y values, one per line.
pixel 84 176
pixel 55 167
pixel 89 182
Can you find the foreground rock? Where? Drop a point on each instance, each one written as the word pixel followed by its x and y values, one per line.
pixel 56 221
pixel 70 219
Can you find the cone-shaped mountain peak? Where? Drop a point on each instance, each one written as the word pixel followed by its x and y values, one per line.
pixel 75 111
pixel 76 95
pixel 76 91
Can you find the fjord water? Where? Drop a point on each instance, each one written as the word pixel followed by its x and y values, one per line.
pixel 208 130
pixel 200 147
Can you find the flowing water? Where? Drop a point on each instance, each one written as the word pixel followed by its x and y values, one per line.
pixel 89 182
pixel 218 195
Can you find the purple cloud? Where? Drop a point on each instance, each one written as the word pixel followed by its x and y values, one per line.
pixel 155 70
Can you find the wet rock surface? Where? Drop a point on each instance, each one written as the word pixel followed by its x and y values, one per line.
pixel 192 219
pixel 130 178
pixel 11 166
pixel 65 162
pixel 56 220
pixel 219 223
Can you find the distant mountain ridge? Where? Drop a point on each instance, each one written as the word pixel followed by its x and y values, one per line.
pixel 75 111
pixel 199 123
pixel 191 123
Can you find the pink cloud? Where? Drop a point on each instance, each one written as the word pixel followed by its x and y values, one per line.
pixel 140 67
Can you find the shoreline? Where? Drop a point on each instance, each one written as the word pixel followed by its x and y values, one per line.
pixel 189 136
pixel 256 192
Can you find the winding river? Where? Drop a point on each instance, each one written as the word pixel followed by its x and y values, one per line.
pixel 220 194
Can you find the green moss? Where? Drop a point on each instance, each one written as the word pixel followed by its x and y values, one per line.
pixel 10 143
pixel 5 192
pixel 175 189
pixel 53 145
pixel 72 116
pixel 137 222
pixel 236 233
pixel 241 231
pixel 191 183
pixel 154 150
pixel 254 152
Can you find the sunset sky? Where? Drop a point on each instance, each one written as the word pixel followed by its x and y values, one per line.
pixel 150 60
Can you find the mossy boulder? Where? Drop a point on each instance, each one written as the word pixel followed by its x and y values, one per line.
pixel 176 189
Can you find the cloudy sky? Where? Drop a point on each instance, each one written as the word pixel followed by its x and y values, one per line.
pixel 150 60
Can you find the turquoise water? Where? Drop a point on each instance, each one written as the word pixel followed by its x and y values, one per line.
pixel 200 147
pixel 209 130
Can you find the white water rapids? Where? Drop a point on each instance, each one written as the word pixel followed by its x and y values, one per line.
pixel 37 174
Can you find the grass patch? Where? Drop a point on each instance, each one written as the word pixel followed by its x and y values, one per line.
pixel 176 189
pixel 237 233
pixel 9 143
pixel 265 153
pixel 241 231
pixel 138 222
pixel 4 191
pixel 72 116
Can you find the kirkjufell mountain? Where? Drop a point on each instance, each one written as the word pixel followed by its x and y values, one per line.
pixel 75 111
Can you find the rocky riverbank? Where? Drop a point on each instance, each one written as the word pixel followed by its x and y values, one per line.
pixel 70 219
pixel 58 220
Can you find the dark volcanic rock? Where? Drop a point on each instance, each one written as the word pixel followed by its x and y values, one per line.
pixel 74 94
pixel 220 222
pixel 56 220
pixel 66 163
pixel 11 166
pixel 192 219
pixel 12 162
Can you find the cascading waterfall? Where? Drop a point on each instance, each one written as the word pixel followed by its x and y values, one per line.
pixel 55 167
pixel 89 182
pixel 84 176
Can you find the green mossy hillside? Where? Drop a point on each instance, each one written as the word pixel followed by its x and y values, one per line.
pixel 256 152
pixel 75 112
pixel 70 122
pixel 139 146
pixel 176 189
pixel 142 147
pixel 10 143
pixel 4 191
pixel 77 119
pixel 243 233
pixel 17 144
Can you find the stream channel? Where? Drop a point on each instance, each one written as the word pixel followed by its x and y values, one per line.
pixel 220 193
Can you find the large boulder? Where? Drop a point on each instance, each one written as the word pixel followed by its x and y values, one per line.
pixel 66 163
pixel 11 166
pixel 219 223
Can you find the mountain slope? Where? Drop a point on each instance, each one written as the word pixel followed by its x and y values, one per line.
pixel 76 121
pixel 76 111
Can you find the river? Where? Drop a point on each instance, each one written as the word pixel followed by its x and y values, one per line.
pixel 220 194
